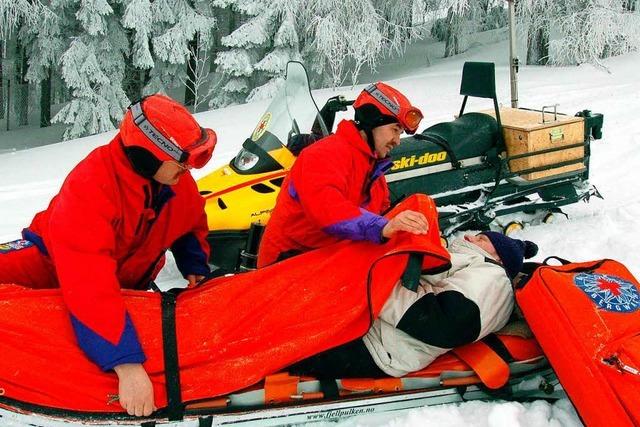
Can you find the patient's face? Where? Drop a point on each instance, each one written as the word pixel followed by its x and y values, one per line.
pixel 484 243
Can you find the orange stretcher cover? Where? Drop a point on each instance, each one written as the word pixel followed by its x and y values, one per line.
pixel 231 331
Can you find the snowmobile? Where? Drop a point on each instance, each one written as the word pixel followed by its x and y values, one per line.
pixel 500 168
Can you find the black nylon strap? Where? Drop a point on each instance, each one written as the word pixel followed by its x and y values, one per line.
pixel 175 408
pixel 498 347
pixel 329 388
pixel 411 275
pixel 561 260
pixel 594 266
pixel 442 143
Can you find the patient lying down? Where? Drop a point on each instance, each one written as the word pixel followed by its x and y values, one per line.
pixel 464 304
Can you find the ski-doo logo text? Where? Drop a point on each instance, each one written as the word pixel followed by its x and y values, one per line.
pixel 610 293
pixel 425 159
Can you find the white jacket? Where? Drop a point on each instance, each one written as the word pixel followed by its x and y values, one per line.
pixel 464 304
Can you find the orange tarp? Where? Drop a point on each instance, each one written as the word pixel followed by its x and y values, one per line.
pixel 231 331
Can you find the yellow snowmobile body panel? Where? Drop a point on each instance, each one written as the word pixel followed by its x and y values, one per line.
pixel 234 201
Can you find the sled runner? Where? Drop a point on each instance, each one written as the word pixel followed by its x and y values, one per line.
pixel 285 399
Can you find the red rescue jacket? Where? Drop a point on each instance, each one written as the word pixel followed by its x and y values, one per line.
pixel 108 228
pixel 336 190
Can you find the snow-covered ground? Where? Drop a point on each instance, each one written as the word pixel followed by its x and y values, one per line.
pixel 608 228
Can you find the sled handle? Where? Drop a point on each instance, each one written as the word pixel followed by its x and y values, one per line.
pixel 555 112
pixel 557 258
pixel 563 261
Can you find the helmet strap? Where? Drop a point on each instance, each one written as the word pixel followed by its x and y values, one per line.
pixel 368 131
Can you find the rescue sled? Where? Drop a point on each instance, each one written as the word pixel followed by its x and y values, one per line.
pixel 500 168
pixel 219 352
pixel 282 399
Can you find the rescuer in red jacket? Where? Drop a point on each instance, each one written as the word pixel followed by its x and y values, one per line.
pixel 336 188
pixel 116 214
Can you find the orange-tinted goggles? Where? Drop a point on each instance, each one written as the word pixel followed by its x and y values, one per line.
pixel 408 116
pixel 200 152
pixel 411 120
pixel 195 155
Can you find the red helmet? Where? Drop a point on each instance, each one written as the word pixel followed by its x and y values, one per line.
pixel 379 104
pixel 167 129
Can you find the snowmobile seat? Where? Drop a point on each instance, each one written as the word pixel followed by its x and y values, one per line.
pixel 470 135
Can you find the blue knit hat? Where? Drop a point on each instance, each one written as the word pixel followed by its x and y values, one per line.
pixel 512 252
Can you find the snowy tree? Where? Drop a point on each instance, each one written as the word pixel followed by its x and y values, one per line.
pixel 536 18
pixel 188 23
pixel 15 15
pixel 93 67
pixel 246 45
pixel 15 12
pixel 285 48
pixel 45 44
pixel 595 29
pixel 347 35
pixel 465 17
pixel 334 38
pixel 121 49
pixel 455 27
pixel 198 79
pixel 137 19
pixel 578 31
pixel 163 37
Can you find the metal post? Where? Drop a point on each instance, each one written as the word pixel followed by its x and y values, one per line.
pixel 513 59
pixel 8 101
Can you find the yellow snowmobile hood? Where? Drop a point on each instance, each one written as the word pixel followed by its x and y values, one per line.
pixel 234 201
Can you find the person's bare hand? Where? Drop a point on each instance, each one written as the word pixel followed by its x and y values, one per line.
pixel 135 391
pixel 193 279
pixel 410 221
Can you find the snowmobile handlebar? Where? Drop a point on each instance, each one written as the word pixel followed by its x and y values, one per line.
pixel 329 110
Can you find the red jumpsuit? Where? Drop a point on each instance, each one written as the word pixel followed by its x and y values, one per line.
pixel 108 228
pixel 336 190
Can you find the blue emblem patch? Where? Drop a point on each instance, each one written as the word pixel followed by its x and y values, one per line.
pixel 16 245
pixel 610 293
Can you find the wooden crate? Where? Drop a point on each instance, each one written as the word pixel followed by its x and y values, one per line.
pixel 525 132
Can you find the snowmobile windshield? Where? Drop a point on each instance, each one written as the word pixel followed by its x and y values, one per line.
pixel 291 116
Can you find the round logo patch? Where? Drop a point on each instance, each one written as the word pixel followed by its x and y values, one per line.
pixel 262 127
pixel 610 293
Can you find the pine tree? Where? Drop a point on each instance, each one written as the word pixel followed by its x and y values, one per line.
pixel 334 38
pixel 123 44
pixel 93 67
pixel 175 25
pixel 45 44
pixel 246 46
pixel 285 48
pixel 17 15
